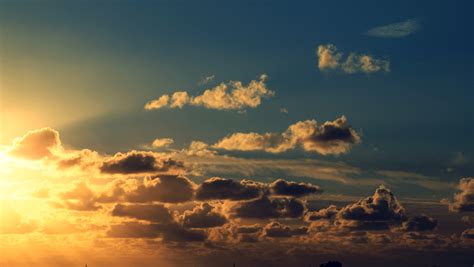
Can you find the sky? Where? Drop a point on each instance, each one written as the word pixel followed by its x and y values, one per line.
pixel 185 133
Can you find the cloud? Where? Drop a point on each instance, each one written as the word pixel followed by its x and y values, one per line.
pixel 464 200
pixel 419 223
pixel 265 208
pixel 396 30
pixel 468 234
pixel 221 188
pixel 203 216
pixel 322 214
pixel 206 79
pixel 134 230
pixel 162 142
pixel 278 230
pixel 331 137
pixel 80 198
pixel 382 206
pixel 156 213
pixel 36 144
pixel 199 149
pixel 139 162
pixel 330 59
pixel 225 96
pixel 161 102
pixel 285 188
pixel 11 222
pixel 165 188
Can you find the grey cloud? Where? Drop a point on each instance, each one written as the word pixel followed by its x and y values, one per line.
pixel 203 216
pixel 156 213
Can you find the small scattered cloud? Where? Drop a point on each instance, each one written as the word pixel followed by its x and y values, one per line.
pixel 329 58
pixel 162 142
pixel 206 79
pixel 284 110
pixel 232 95
pixel 396 30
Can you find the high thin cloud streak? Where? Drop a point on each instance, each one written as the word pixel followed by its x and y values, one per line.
pixel 396 30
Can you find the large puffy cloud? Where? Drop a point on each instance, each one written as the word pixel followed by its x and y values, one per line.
pixel 221 188
pixel 285 188
pixel 156 213
pixel 332 137
pixel 36 144
pixel 464 200
pixel 382 206
pixel 139 162
pixel 203 216
pixel 265 207
pixel 330 59
pixel 165 188
pixel 225 96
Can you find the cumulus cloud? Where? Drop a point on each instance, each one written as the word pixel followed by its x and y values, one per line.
pixel 464 200
pixel 199 149
pixel 221 188
pixel 80 198
pixel 36 144
pixel 203 216
pixel 278 230
pixel 139 162
pixel 331 137
pixel 419 223
pixel 265 208
pixel 225 96
pixel 156 213
pixel 330 59
pixel 322 214
pixel 285 188
pixel 396 30
pixel 162 142
pixel 165 188
pixel 382 206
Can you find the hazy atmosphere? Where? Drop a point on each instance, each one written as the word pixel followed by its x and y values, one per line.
pixel 254 133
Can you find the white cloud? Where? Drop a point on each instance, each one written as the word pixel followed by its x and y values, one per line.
pixel 396 30
pixel 162 142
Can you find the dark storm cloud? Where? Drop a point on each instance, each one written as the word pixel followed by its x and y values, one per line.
pixel 176 233
pixel 285 188
pixel 468 234
pixel 156 213
pixel 139 162
pixel 221 188
pixel 419 223
pixel 464 200
pixel 264 207
pixel 203 216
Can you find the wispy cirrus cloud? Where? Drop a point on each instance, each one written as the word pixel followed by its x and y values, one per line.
pixel 396 30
